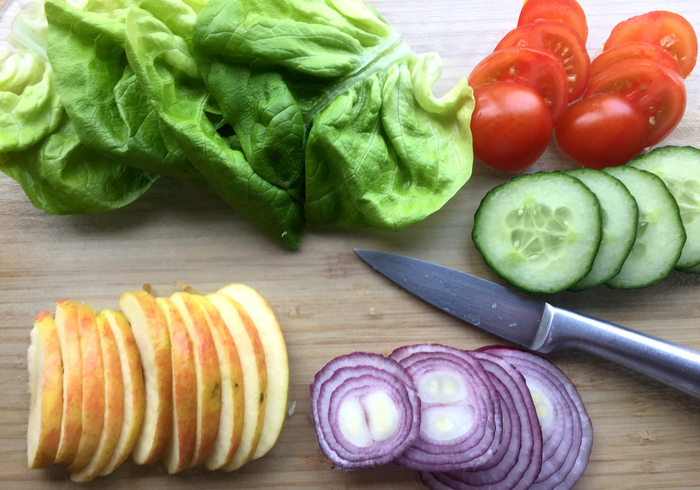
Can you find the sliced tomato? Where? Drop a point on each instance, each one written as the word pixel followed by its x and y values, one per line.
pixel 511 126
pixel 658 91
pixel 532 68
pixel 563 42
pixel 602 130
pixel 638 50
pixel 669 30
pixel 568 11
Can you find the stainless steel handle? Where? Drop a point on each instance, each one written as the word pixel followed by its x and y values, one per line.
pixel 670 363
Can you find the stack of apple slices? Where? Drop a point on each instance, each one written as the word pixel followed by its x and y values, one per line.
pixel 190 380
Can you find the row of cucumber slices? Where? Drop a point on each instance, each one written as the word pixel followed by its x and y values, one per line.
pixel 625 227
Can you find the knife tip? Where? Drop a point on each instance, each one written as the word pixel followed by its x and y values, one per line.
pixel 364 254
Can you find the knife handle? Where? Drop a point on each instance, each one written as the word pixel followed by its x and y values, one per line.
pixel 670 363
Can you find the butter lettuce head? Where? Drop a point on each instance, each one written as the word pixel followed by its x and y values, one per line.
pixel 61 176
pixel 294 111
pixel 39 145
pixel 379 149
pixel 101 94
pixel 230 158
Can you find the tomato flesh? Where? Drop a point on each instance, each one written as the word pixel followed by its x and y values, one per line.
pixel 563 42
pixel 602 130
pixel 535 69
pixel 658 91
pixel 669 30
pixel 568 11
pixel 638 50
pixel 511 126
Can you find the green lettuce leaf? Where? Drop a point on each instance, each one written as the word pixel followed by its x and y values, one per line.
pixel 387 153
pixel 167 71
pixel 61 176
pixel 381 150
pixel 314 37
pixel 30 108
pixel 102 96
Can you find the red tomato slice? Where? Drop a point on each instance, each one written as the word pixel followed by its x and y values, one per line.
pixel 602 130
pixel 568 11
pixel 658 91
pixel 634 50
pixel 666 29
pixel 511 125
pixel 560 40
pixel 532 68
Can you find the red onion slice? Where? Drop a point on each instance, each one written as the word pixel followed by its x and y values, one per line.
pixel 366 410
pixel 461 423
pixel 566 428
pixel 518 459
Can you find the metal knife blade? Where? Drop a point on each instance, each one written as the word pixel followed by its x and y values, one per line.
pixel 484 304
pixel 536 324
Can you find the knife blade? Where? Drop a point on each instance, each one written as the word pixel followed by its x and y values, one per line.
pixel 535 324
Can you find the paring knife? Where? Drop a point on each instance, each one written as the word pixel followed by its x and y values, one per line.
pixel 536 324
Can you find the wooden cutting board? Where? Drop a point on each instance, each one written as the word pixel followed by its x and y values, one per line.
pixel 330 303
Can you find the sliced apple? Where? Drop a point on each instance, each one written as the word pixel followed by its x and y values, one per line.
pixel 275 359
pixel 68 327
pixel 93 387
pixel 46 384
pixel 113 404
pixel 134 391
pixel 232 394
pixel 208 386
pixel 153 340
pixel 252 356
pixel 183 437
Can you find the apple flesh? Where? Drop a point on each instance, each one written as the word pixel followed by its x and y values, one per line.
pixel 228 439
pixel 68 327
pixel 185 379
pixel 46 383
pixel 113 386
pixel 153 340
pixel 276 361
pixel 181 447
pixel 208 375
pixel 93 387
pixel 252 356
pixel 134 391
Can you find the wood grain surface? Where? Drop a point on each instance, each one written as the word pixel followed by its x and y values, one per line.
pixel 647 436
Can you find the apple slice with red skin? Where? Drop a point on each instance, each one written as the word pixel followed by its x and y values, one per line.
pixel 153 340
pixel 113 402
pixel 231 423
pixel 93 387
pixel 68 328
pixel 134 391
pixel 252 356
pixel 276 361
pixel 208 386
pixel 46 382
pixel 183 438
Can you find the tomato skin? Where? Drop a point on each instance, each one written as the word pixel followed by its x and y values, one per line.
pixel 528 67
pixel 557 38
pixel 602 130
pixel 511 126
pixel 669 30
pixel 638 50
pixel 568 11
pixel 658 91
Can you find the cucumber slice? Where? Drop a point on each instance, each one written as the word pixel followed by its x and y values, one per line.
pixel 540 232
pixel 679 168
pixel 619 214
pixel 691 270
pixel 660 233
